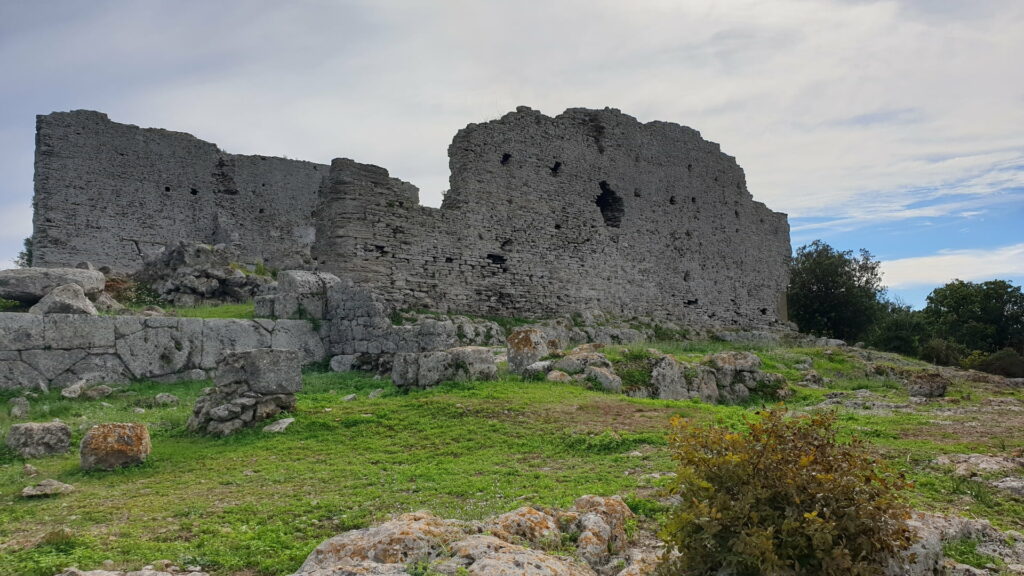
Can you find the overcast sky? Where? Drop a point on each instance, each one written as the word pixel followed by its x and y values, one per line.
pixel 896 126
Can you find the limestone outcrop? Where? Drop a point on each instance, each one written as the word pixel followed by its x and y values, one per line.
pixel 512 543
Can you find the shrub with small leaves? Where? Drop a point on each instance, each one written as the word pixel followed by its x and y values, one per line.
pixel 783 498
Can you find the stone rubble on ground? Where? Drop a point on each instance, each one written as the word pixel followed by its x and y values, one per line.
pixel 165 399
pixel 422 370
pixel 191 273
pixel 249 387
pixel 927 385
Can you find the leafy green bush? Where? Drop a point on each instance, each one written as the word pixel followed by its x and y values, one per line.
pixel 942 352
pixel 1006 362
pixel 783 498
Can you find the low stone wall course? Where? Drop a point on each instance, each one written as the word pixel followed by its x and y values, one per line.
pixel 56 351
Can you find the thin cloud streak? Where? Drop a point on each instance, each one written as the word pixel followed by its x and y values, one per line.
pixel 1003 262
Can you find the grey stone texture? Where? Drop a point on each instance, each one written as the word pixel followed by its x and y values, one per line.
pixel 251 386
pixel 66 299
pixel 38 439
pixel 423 370
pixel 29 285
pixel 589 210
pixel 192 273
pixel 62 350
pixel 114 194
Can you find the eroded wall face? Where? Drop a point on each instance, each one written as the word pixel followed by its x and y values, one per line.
pixel 114 193
pixel 590 210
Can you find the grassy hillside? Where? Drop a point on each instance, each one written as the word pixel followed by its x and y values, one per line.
pixel 257 503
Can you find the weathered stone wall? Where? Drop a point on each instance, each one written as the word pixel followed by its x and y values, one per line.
pixel 589 210
pixel 58 350
pixel 114 193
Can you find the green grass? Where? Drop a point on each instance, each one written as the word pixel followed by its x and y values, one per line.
pixel 243 311
pixel 257 504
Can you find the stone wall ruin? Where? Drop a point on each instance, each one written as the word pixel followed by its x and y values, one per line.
pixel 589 210
pixel 114 194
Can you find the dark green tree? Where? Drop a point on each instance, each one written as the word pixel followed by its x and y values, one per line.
pixel 24 259
pixel 984 316
pixel 898 328
pixel 833 293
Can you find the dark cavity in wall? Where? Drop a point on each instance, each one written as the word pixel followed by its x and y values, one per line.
pixel 672 200
pixel 505 158
pixel 554 169
pixel 611 205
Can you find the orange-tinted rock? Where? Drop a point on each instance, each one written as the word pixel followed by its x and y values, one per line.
pixel 114 445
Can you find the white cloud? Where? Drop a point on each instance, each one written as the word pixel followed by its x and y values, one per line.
pixel 986 264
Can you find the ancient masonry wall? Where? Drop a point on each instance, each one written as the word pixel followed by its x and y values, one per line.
pixel 589 210
pixel 55 351
pixel 113 193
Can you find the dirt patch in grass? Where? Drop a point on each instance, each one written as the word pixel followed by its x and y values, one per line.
pixel 599 414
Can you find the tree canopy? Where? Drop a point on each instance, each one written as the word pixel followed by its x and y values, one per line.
pixel 984 316
pixel 834 293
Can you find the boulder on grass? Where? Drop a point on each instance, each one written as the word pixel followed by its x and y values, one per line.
pixel 115 445
pixel 38 439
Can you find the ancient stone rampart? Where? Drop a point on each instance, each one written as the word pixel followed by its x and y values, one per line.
pixel 589 210
pixel 114 193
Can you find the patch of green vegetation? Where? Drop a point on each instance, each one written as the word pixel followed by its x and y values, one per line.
pixel 965 551
pixel 258 504
pixel 242 311
pixel 12 306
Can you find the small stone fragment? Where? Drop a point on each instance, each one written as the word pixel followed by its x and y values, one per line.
pixel 279 426
pixel 19 408
pixel 47 487
pixel 165 399
pixel 376 394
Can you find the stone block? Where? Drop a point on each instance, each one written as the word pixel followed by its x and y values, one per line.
pixel 52 363
pixel 266 371
pixel 163 347
pixel 21 331
pixel 115 445
pixel 222 337
pixel 38 439
pixel 71 331
pixel 17 375
pixel 298 335
pixel 66 299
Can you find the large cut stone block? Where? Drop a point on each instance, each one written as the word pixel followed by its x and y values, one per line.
pixel 222 337
pixel 115 445
pixel 163 348
pixel 298 335
pixel 70 331
pixel 21 331
pixel 17 375
pixel 266 370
